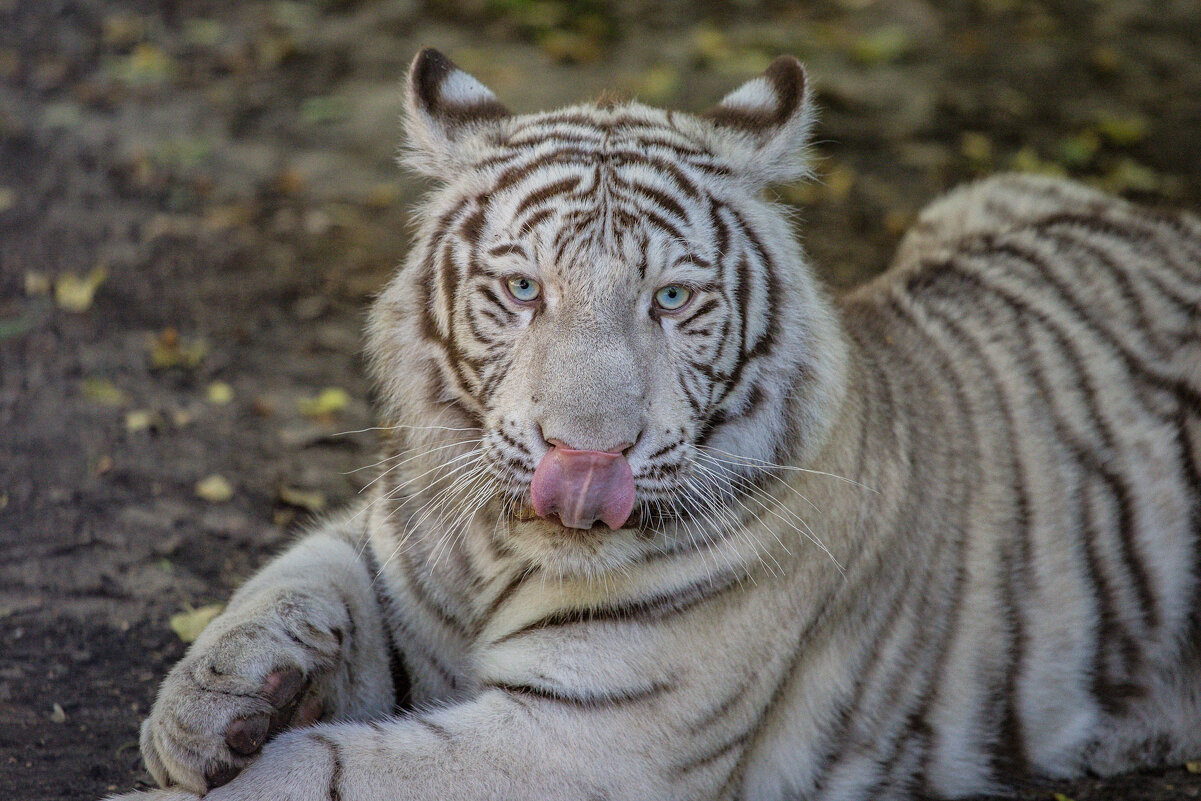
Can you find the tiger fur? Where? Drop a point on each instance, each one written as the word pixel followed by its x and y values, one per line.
pixel 922 540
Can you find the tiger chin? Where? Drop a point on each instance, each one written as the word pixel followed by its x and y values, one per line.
pixel 659 518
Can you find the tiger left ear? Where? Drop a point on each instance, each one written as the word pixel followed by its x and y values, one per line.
pixel 764 124
pixel 444 109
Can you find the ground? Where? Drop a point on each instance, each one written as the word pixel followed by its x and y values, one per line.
pixel 197 202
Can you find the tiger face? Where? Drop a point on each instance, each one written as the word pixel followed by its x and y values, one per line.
pixel 618 329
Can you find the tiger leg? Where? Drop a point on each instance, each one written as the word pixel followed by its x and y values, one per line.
pixel 301 640
pixel 500 745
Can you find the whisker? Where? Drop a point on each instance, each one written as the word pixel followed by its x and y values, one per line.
pixel 751 461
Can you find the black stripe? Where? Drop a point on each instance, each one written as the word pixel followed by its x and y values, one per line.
pixel 401 684
pixel 642 610
pixel 335 777
pixel 590 701
pixel 441 732
pixel 422 594
pixel 707 758
pixel 544 193
pixel 500 598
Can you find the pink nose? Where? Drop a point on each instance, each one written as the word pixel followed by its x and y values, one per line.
pixel 582 487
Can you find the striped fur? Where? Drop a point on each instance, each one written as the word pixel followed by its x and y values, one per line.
pixel 927 539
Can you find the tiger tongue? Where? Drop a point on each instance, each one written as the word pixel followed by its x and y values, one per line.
pixel 582 487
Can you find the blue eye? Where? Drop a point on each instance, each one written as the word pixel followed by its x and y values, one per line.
pixel 523 289
pixel 672 297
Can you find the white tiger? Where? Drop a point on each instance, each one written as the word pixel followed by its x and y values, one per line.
pixel 662 520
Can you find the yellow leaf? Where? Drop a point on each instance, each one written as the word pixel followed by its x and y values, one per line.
pixel 215 489
pixel 1123 130
pixel 313 500
pixel 188 624
pixel 103 391
pixel 142 419
pixel 1193 767
pixel 327 402
pixel 74 294
pixel 169 349
pixel 220 392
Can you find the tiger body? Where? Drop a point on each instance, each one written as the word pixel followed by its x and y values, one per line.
pixel 927 538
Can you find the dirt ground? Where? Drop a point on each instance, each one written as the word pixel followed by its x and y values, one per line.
pixel 198 200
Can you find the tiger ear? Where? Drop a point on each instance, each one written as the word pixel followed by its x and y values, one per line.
pixel 764 125
pixel 445 108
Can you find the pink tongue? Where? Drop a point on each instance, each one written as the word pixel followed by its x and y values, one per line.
pixel 582 487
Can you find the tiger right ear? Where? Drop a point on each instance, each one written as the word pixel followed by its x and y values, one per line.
pixel 764 124
pixel 444 109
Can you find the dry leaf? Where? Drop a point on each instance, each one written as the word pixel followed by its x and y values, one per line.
pixel 37 284
pixel 215 489
pixel 101 390
pixel 188 624
pixel 327 402
pixel 1193 767
pixel 58 714
pixel 169 349
pixel 75 294
pixel 142 419
pixel 313 500
pixel 220 392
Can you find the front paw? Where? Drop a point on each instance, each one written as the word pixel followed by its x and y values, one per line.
pixel 241 683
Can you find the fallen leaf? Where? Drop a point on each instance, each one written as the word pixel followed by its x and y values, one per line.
pixel 327 402
pixel 313 500
pixel 8 198
pixel 37 283
pixel 1028 160
pixel 1193 767
pixel 188 624
pixel 75 294
pixel 1123 129
pixel 142 419
pixel 219 392
pixel 214 489
pixel 977 147
pixel 881 46
pixel 1078 151
pixel 657 84
pixel 169 349
pixel 1129 175
pixel 103 391
pixel 58 714
pixel 710 43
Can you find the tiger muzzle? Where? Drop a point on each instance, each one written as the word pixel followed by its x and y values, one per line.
pixel 582 487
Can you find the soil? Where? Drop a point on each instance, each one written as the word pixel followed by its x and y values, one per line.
pixel 197 202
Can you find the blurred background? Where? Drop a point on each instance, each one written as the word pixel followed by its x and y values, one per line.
pixel 198 200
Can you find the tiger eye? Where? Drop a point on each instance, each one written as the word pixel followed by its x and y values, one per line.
pixel 672 297
pixel 523 288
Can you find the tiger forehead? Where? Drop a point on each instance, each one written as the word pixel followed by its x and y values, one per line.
pixel 635 138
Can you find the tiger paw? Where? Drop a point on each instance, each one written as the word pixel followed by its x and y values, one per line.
pixel 240 684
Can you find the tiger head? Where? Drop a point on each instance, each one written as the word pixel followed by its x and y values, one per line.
pixel 603 333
